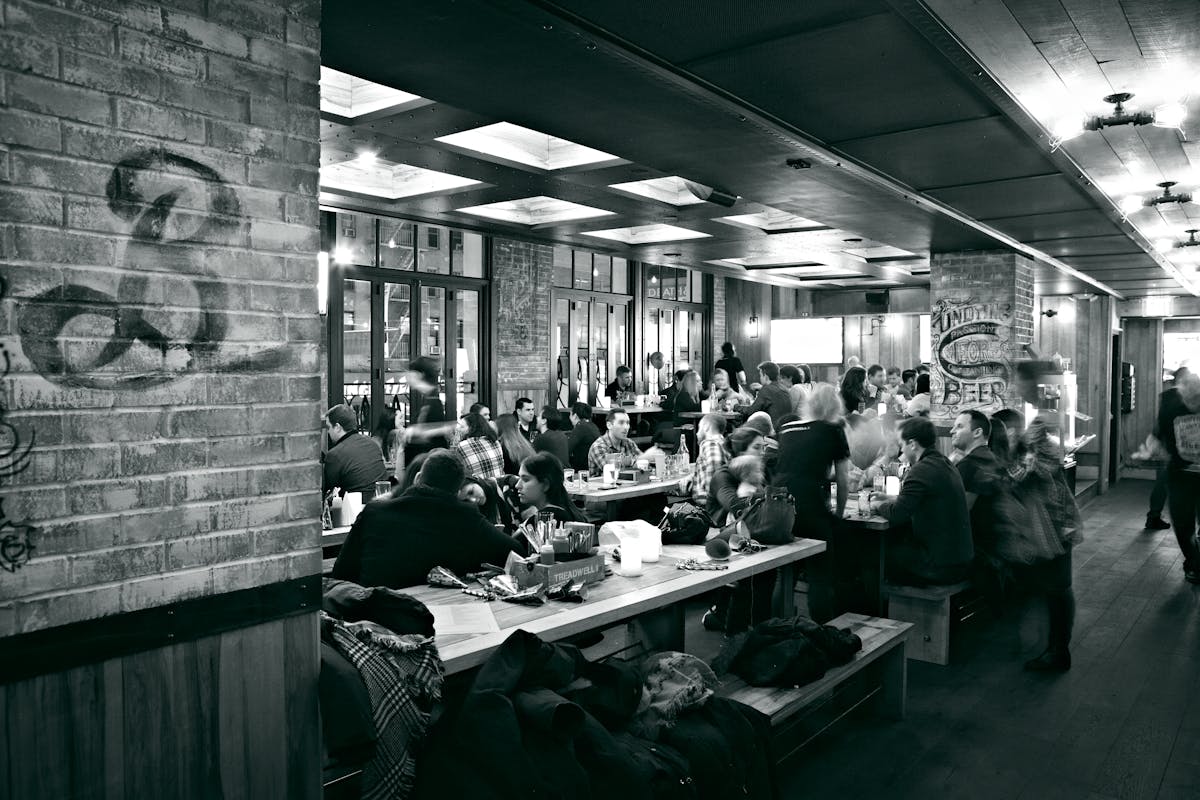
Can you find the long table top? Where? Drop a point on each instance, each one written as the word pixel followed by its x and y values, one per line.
pixel 613 600
pixel 623 491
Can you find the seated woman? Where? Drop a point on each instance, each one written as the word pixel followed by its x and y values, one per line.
pixel 732 489
pixel 711 455
pixel 919 405
pixel 688 398
pixel 515 446
pixel 540 489
pixel 724 396
pixel 479 448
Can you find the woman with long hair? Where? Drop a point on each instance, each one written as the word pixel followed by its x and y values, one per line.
pixel 540 487
pixel 688 397
pixel 854 389
pixel 515 446
pixel 919 405
pixel 479 448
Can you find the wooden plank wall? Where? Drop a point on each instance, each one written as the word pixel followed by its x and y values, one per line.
pixel 742 299
pixel 232 716
pixel 1142 343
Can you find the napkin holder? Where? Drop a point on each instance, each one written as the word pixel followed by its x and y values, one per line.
pixel 583 568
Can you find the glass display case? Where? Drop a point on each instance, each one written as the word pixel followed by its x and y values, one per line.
pixel 1058 405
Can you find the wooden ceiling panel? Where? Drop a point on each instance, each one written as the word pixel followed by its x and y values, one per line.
pixel 1088 246
pixel 973 151
pixel 1042 194
pixel 838 89
pixel 1066 225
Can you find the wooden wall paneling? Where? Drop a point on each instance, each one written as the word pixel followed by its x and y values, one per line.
pixel 742 299
pixel 232 715
pixel 1143 349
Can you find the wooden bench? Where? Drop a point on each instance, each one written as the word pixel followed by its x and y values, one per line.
pixel 881 661
pixel 928 608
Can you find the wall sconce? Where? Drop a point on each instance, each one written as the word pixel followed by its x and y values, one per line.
pixel 752 326
pixel 1049 313
pixel 322 283
pixel 877 323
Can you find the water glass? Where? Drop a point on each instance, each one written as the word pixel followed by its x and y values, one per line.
pixel 880 484
pixel 568 477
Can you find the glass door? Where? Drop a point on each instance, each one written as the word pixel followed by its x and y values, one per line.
pixel 589 339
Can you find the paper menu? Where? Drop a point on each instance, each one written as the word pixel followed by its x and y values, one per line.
pixel 463 618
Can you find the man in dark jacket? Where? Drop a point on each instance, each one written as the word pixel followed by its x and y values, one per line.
pixel 583 433
pixel 937 549
pixel 396 541
pixel 1178 428
pixel 772 397
pixel 353 462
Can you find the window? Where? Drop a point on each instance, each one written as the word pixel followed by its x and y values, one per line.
pixel 586 271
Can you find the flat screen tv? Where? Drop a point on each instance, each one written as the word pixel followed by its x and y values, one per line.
pixel 812 340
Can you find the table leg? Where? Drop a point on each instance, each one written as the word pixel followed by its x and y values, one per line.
pixel 785 580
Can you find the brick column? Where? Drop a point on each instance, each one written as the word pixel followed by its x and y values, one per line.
pixel 522 273
pixel 982 316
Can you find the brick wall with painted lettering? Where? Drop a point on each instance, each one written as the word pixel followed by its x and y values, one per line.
pixel 158 232
pixel 981 318
pixel 521 276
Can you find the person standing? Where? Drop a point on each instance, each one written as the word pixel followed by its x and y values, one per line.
pixel 732 366
pixel 1158 495
pixel 430 430
pixel 1178 429
pixel 809 450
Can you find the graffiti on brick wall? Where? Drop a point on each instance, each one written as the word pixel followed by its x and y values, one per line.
pixel 167 317
pixel 515 309
pixel 16 541
pixel 971 346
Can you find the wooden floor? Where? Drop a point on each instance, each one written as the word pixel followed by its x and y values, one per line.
pixel 1123 723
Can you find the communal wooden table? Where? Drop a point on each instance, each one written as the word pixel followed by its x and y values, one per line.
pixel 600 411
pixel 654 599
pixel 729 415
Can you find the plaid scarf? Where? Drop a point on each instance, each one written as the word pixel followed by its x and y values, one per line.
pixel 403 676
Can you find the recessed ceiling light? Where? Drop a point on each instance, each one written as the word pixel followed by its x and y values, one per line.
pixel 773 220
pixel 512 143
pixel 389 180
pixel 348 96
pixel 647 234
pixel 788 265
pixel 535 211
pixel 673 190
pixel 878 252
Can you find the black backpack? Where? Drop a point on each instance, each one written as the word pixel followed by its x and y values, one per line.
pixel 685 523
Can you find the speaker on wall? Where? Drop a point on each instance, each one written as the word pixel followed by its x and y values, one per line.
pixel 878 301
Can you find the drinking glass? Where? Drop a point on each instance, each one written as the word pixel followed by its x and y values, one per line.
pixel 568 477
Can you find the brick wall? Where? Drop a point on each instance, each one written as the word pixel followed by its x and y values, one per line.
pixel 718 316
pixel 982 316
pixel 522 273
pixel 158 231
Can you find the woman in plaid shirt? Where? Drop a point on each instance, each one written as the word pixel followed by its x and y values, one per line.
pixel 478 448
pixel 711 457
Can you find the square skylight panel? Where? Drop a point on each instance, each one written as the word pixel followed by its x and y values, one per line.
pixel 879 251
pixel 794 265
pixel 647 234
pixel 535 211
pixel 388 179
pixel 772 221
pixel 348 96
pixel 672 190
pixel 508 142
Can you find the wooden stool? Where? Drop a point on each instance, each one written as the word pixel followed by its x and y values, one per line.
pixel 928 609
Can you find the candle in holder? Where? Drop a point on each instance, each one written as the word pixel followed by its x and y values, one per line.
pixel 892 485
pixel 631 558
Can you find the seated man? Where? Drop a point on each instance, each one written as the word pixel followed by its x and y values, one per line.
pixel 353 462
pixel 622 385
pixel 583 433
pixel 937 549
pixel 396 541
pixel 615 441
